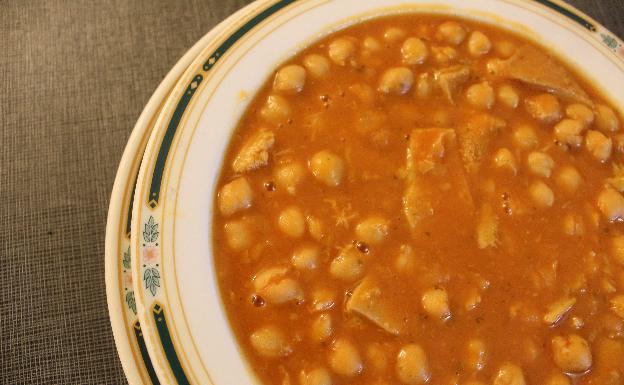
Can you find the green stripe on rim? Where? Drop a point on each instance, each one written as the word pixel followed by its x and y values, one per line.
pixel 143 348
pixel 167 344
pixel 129 215
pixel 566 12
pixel 233 38
pixel 165 146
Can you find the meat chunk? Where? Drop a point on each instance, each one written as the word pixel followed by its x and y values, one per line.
pixel 255 152
pixel 475 137
pixel 450 80
pixel 436 180
pixel 371 301
pixel 534 67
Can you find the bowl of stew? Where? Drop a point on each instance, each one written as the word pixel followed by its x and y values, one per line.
pixel 386 192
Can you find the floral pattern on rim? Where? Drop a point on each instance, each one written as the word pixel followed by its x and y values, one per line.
pixel 151 274
pixel 126 263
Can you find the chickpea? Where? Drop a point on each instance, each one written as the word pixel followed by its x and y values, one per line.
pixel 505 48
pixel 451 32
pixel 475 355
pixel 524 137
pixel 617 249
pixel 479 44
pixel 606 119
pixel 290 78
pixel 323 299
pixel 276 109
pixel 598 145
pixel 327 167
pixel 509 374
pixel 348 265
pixel 481 95
pixel 504 159
pixel 321 328
pixel 397 80
pixel 543 107
pixel 270 342
pixel 435 302
pixel 292 222
pixel 581 113
pixel 318 376
pixel 414 51
pixel 317 65
pixel 611 204
pixel 540 164
pixel 276 287
pixel 371 44
pixel 412 366
pixel 423 86
pixel 569 179
pixel 541 194
pixel 393 34
pixel 558 379
pixel 571 353
pixel 288 176
pixel 372 230
pixel 306 257
pixel 342 50
pixel 569 131
pixel 617 305
pixel 508 96
pixel 444 55
pixel 238 234
pixel 235 196
pixel 344 358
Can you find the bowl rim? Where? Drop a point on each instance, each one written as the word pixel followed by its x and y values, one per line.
pixel 125 326
pixel 187 87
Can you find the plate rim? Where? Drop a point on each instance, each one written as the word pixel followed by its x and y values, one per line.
pixel 132 361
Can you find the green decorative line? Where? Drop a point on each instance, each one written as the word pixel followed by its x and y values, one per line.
pixel 129 215
pixel 233 38
pixel 167 345
pixel 159 167
pixel 146 359
pixel 568 13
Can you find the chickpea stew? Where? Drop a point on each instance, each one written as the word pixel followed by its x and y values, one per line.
pixel 422 199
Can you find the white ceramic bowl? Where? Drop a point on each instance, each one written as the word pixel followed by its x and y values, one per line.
pixel 179 306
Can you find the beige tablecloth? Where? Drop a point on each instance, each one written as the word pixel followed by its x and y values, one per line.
pixel 75 75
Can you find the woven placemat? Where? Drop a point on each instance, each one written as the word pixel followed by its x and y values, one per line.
pixel 75 75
